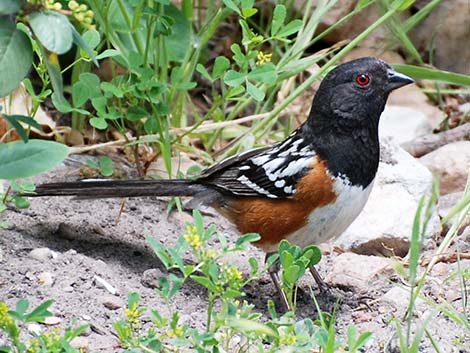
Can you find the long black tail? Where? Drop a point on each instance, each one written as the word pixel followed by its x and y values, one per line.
pixel 96 189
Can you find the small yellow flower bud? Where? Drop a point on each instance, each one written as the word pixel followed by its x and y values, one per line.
pixel 73 5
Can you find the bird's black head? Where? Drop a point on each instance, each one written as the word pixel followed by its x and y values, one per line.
pixel 343 123
pixel 354 94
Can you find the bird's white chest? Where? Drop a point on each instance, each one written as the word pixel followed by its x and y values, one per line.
pixel 330 221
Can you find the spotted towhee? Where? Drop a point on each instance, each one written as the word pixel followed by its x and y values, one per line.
pixel 306 189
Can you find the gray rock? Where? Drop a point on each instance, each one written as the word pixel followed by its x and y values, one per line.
pixel 2 254
pixel 446 204
pixel 447 28
pixel 384 226
pixel 403 124
pixel 41 254
pixel 399 298
pixel 80 343
pixel 150 277
pixel 357 271
pixel 45 278
pixel 112 302
pixel 451 164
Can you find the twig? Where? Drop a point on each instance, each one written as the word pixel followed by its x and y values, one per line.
pixel 209 126
pixel 428 143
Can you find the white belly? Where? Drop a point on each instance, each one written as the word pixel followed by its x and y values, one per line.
pixel 330 221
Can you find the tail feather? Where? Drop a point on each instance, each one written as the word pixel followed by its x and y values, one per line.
pixel 120 188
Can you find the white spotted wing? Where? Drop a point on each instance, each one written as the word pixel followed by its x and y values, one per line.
pixel 270 171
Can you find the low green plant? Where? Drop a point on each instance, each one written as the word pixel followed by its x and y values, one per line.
pixel 232 318
pixel 13 322
pixel 104 165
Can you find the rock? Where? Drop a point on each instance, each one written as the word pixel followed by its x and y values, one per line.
pixel 403 124
pixel 446 204
pixel 384 226
pixel 112 302
pixel 2 256
pixel 150 277
pixel 34 328
pixel 353 26
pixel 451 164
pixel 52 320
pixel 68 289
pixel 80 343
pixel 399 298
pixel 101 283
pixel 356 271
pixel 45 278
pixel 41 254
pixel 449 26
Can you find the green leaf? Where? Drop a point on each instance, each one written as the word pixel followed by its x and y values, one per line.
pixel 80 94
pixel 204 281
pixel 53 69
pixel 99 123
pixel 247 238
pixel 290 28
pixel 264 73
pixel 257 94
pixel 279 15
pixel 234 78
pixel 53 30
pixel 113 89
pixel 232 6
pixel 245 325
pixel 81 43
pixel 160 251
pixel 221 65
pixel 40 313
pixel 248 12
pixel 106 166
pixel 313 253
pixel 16 56
pixel 203 71
pixel 133 300
pixel 136 113
pixel 108 53
pixel 22 160
pixel 21 306
pixel 8 7
pixel 423 73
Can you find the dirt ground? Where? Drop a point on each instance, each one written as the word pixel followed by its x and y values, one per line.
pixel 86 242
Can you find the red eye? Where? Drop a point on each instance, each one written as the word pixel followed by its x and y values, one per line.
pixel 362 80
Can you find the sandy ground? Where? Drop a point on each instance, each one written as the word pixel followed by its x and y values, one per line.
pixel 87 241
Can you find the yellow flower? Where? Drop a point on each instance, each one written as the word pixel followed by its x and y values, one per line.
pixel 263 58
pixel 192 238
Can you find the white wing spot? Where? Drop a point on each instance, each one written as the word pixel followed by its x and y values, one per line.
pixel 289 190
pixel 296 166
pixel 244 180
pixel 280 183
pixel 261 159
pixel 244 167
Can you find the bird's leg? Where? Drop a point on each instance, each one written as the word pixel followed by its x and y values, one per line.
pixel 274 274
pixel 320 282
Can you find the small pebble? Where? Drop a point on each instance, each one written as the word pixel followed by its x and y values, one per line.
pixel 34 328
pixel 150 277
pixel 52 320
pixel 2 256
pixel 68 289
pixel 80 343
pixel 45 279
pixel 112 303
pixel 40 254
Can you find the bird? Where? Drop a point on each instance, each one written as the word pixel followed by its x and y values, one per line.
pixel 306 189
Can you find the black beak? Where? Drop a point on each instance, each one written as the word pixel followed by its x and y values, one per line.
pixel 397 80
